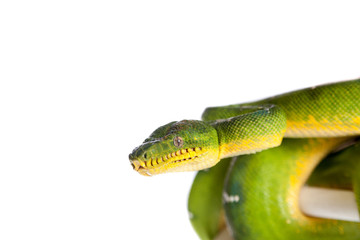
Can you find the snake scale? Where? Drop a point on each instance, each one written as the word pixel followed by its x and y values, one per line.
pixel 269 149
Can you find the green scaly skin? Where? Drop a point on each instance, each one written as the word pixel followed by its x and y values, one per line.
pixel 266 206
pixel 258 206
pixel 338 170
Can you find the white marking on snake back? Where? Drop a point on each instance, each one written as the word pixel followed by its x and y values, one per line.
pixel 230 198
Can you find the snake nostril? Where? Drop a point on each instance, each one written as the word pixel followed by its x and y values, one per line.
pixel 145 155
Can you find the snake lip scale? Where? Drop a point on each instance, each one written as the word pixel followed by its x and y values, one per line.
pixel 177 157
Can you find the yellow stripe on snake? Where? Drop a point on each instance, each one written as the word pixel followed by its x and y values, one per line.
pixel 270 150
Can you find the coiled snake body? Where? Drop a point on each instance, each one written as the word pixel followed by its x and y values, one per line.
pixel 258 194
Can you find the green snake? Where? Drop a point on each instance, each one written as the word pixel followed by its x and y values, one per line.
pixel 256 196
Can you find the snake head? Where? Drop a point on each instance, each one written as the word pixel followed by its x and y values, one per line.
pixel 187 145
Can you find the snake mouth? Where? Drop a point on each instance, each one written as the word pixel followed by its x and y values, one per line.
pixel 140 167
pixel 161 164
pixel 136 164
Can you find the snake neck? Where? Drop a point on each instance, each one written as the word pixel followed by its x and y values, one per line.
pixel 254 131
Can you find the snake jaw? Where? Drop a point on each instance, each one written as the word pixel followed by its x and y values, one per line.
pixel 168 163
pixel 140 167
pixel 135 164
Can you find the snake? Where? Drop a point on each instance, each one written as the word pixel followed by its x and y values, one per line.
pixel 254 158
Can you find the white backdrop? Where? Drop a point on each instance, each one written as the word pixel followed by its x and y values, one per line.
pixel 84 82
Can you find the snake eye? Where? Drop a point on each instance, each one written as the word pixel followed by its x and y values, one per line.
pixel 178 141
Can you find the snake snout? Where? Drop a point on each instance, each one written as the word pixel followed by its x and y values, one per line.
pixel 139 166
pixel 135 164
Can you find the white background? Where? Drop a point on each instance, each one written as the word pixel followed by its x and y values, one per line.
pixel 84 82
